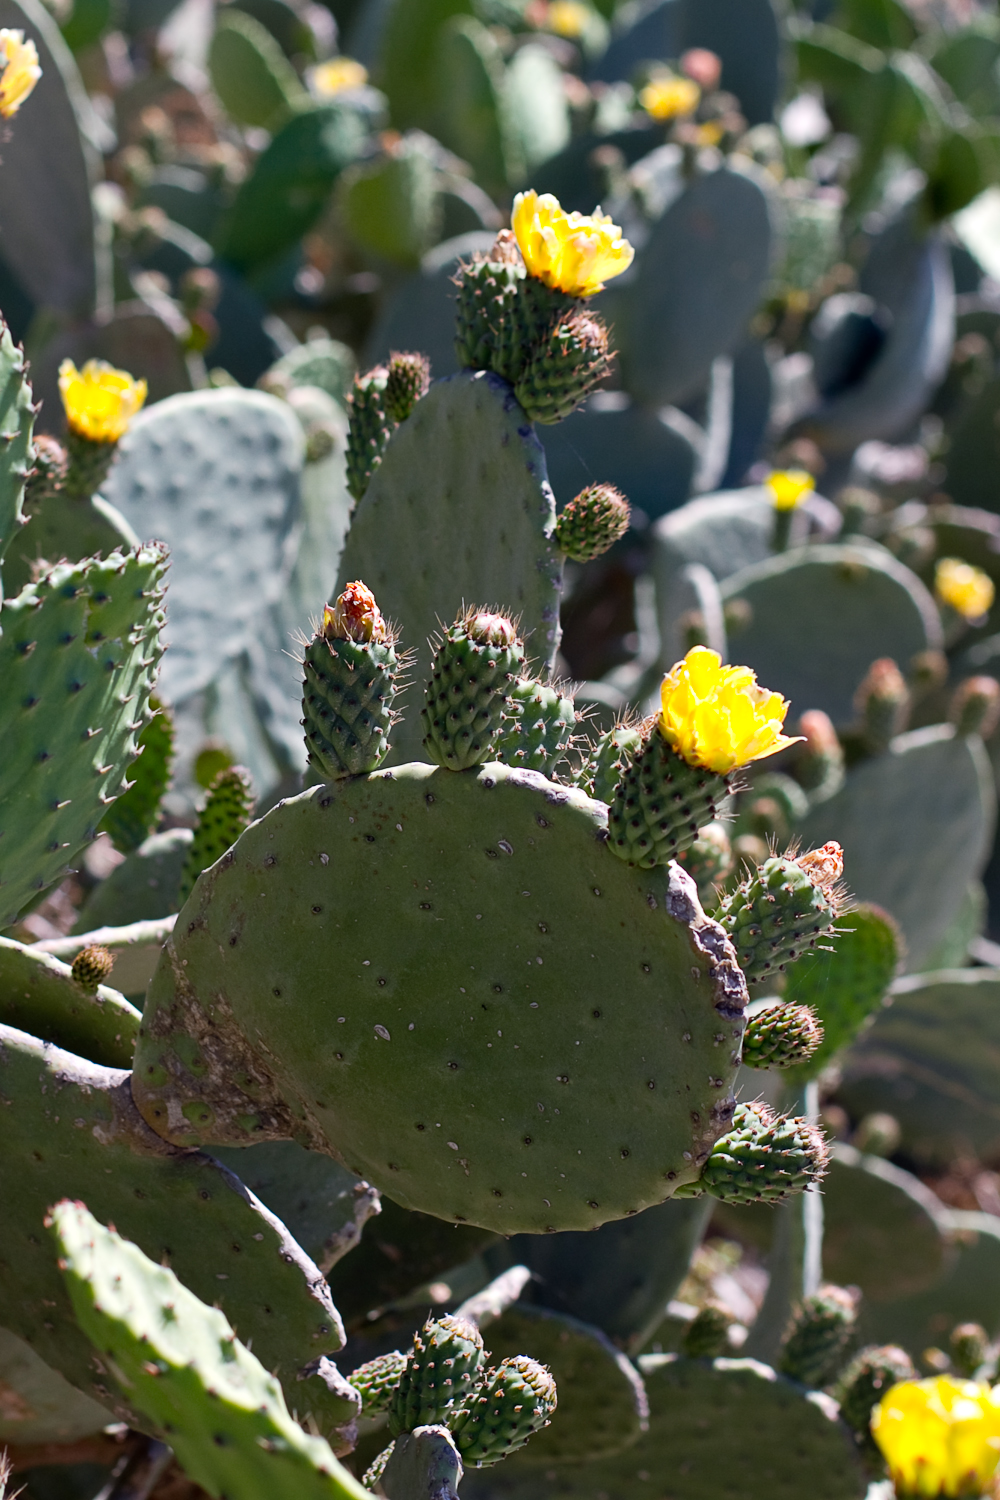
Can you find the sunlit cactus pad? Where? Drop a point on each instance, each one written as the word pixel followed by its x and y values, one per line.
pixel 449 982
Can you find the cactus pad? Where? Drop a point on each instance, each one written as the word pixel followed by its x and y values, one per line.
pixel 78 657
pixel 441 1371
pixel 539 737
pixel 765 1158
pixel 782 910
pixel 182 1365
pixel 227 811
pixel 781 1036
pixel 820 1335
pixel 464 479
pixel 514 1401
pixel 473 1056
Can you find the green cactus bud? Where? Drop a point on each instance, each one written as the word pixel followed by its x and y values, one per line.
pixel 504 316
pixel 375 1470
pixel 661 803
pixel 440 1373
pixel 472 676
pixel 408 379
pixel 710 858
pixel 88 464
pixel 564 368
pixel 132 817
pixel 707 1335
pixel 781 1036
pixel 783 910
pixel 883 702
pixel 48 476
pixel 969 1346
pixel 91 967
pixel 878 1134
pixel 975 707
pixel 819 1336
pixel 226 813
pixel 514 1400
pixel 764 1158
pixel 350 672
pixel 607 759
pixel 818 765
pixel 369 431
pixel 538 728
pixel 592 522
pixel 537 310
pixel 862 1385
pixel 928 671
pixel 376 1382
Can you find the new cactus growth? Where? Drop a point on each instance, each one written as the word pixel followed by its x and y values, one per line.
pixel 882 701
pixel 818 765
pixel 707 1335
pixel 350 682
pixel 440 1372
pixel 592 522
pixel 975 706
pixel 969 1346
pixel 370 429
pixel 92 966
pixel 472 677
pixel 784 909
pixel 513 1401
pixel 863 1383
pixel 132 817
pixel 820 1335
pixel 781 1036
pixel 407 379
pixel 376 1382
pixel 565 368
pixel 762 1159
pixel 538 727
pixel 227 811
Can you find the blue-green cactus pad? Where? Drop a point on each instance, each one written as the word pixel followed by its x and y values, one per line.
pixel 463 483
pixel 70 1130
pixel 518 1031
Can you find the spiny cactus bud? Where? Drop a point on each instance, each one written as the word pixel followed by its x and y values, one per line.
pixel 537 729
pixel 227 812
pixel 781 1036
pixel 564 368
pixel 485 333
pixel 878 1134
pixel 514 1400
pixel 818 766
pixel 782 910
pixel 819 1336
pixel 48 475
pixel 764 1158
pixel 969 1346
pixel 376 1381
pixel 592 522
pixel 91 967
pixel 472 674
pixel 440 1372
pixel 375 1470
pixel 975 707
pixel 710 858
pixel 707 1335
pixel 864 1382
pixel 883 701
pixel 408 380
pixel 928 671
pixel 369 431
pixel 602 770
pixel 349 685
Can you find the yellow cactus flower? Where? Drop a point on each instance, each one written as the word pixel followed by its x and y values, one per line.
pixel 567 18
pixel 717 717
pixel 354 616
pixel 667 97
pixel 573 253
pixel 789 487
pixel 967 590
pixel 99 400
pixel 939 1437
pixel 338 74
pixel 20 70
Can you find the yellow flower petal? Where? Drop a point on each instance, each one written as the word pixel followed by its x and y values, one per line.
pixel 99 400
pixel 20 70
pixel 967 590
pixel 719 717
pixel 336 75
pixel 574 253
pixel 939 1437
pixel 789 487
pixel 567 18
pixel 667 97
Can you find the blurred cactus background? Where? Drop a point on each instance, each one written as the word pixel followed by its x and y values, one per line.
pixel 335 494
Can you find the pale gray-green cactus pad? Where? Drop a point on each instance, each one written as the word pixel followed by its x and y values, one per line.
pixel 520 1031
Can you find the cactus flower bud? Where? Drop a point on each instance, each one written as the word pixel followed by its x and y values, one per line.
pixel 781 1036
pixel 592 522
pixel 883 701
pixel 821 1331
pixel 91 967
pixel 975 708
pixel 408 380
pixel 20 71
pixel 490 629
pixel 354 616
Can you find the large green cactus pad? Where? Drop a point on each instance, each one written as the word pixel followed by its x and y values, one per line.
pixel 883 1230
pixel 725 1427
pixel 520 1031
pixel 38 994
pixel 463 484
pixel 70 1129
pixel 78 658
pixel 38 1405
pixel 820 615
pixel 916 825
pixel 183 1367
